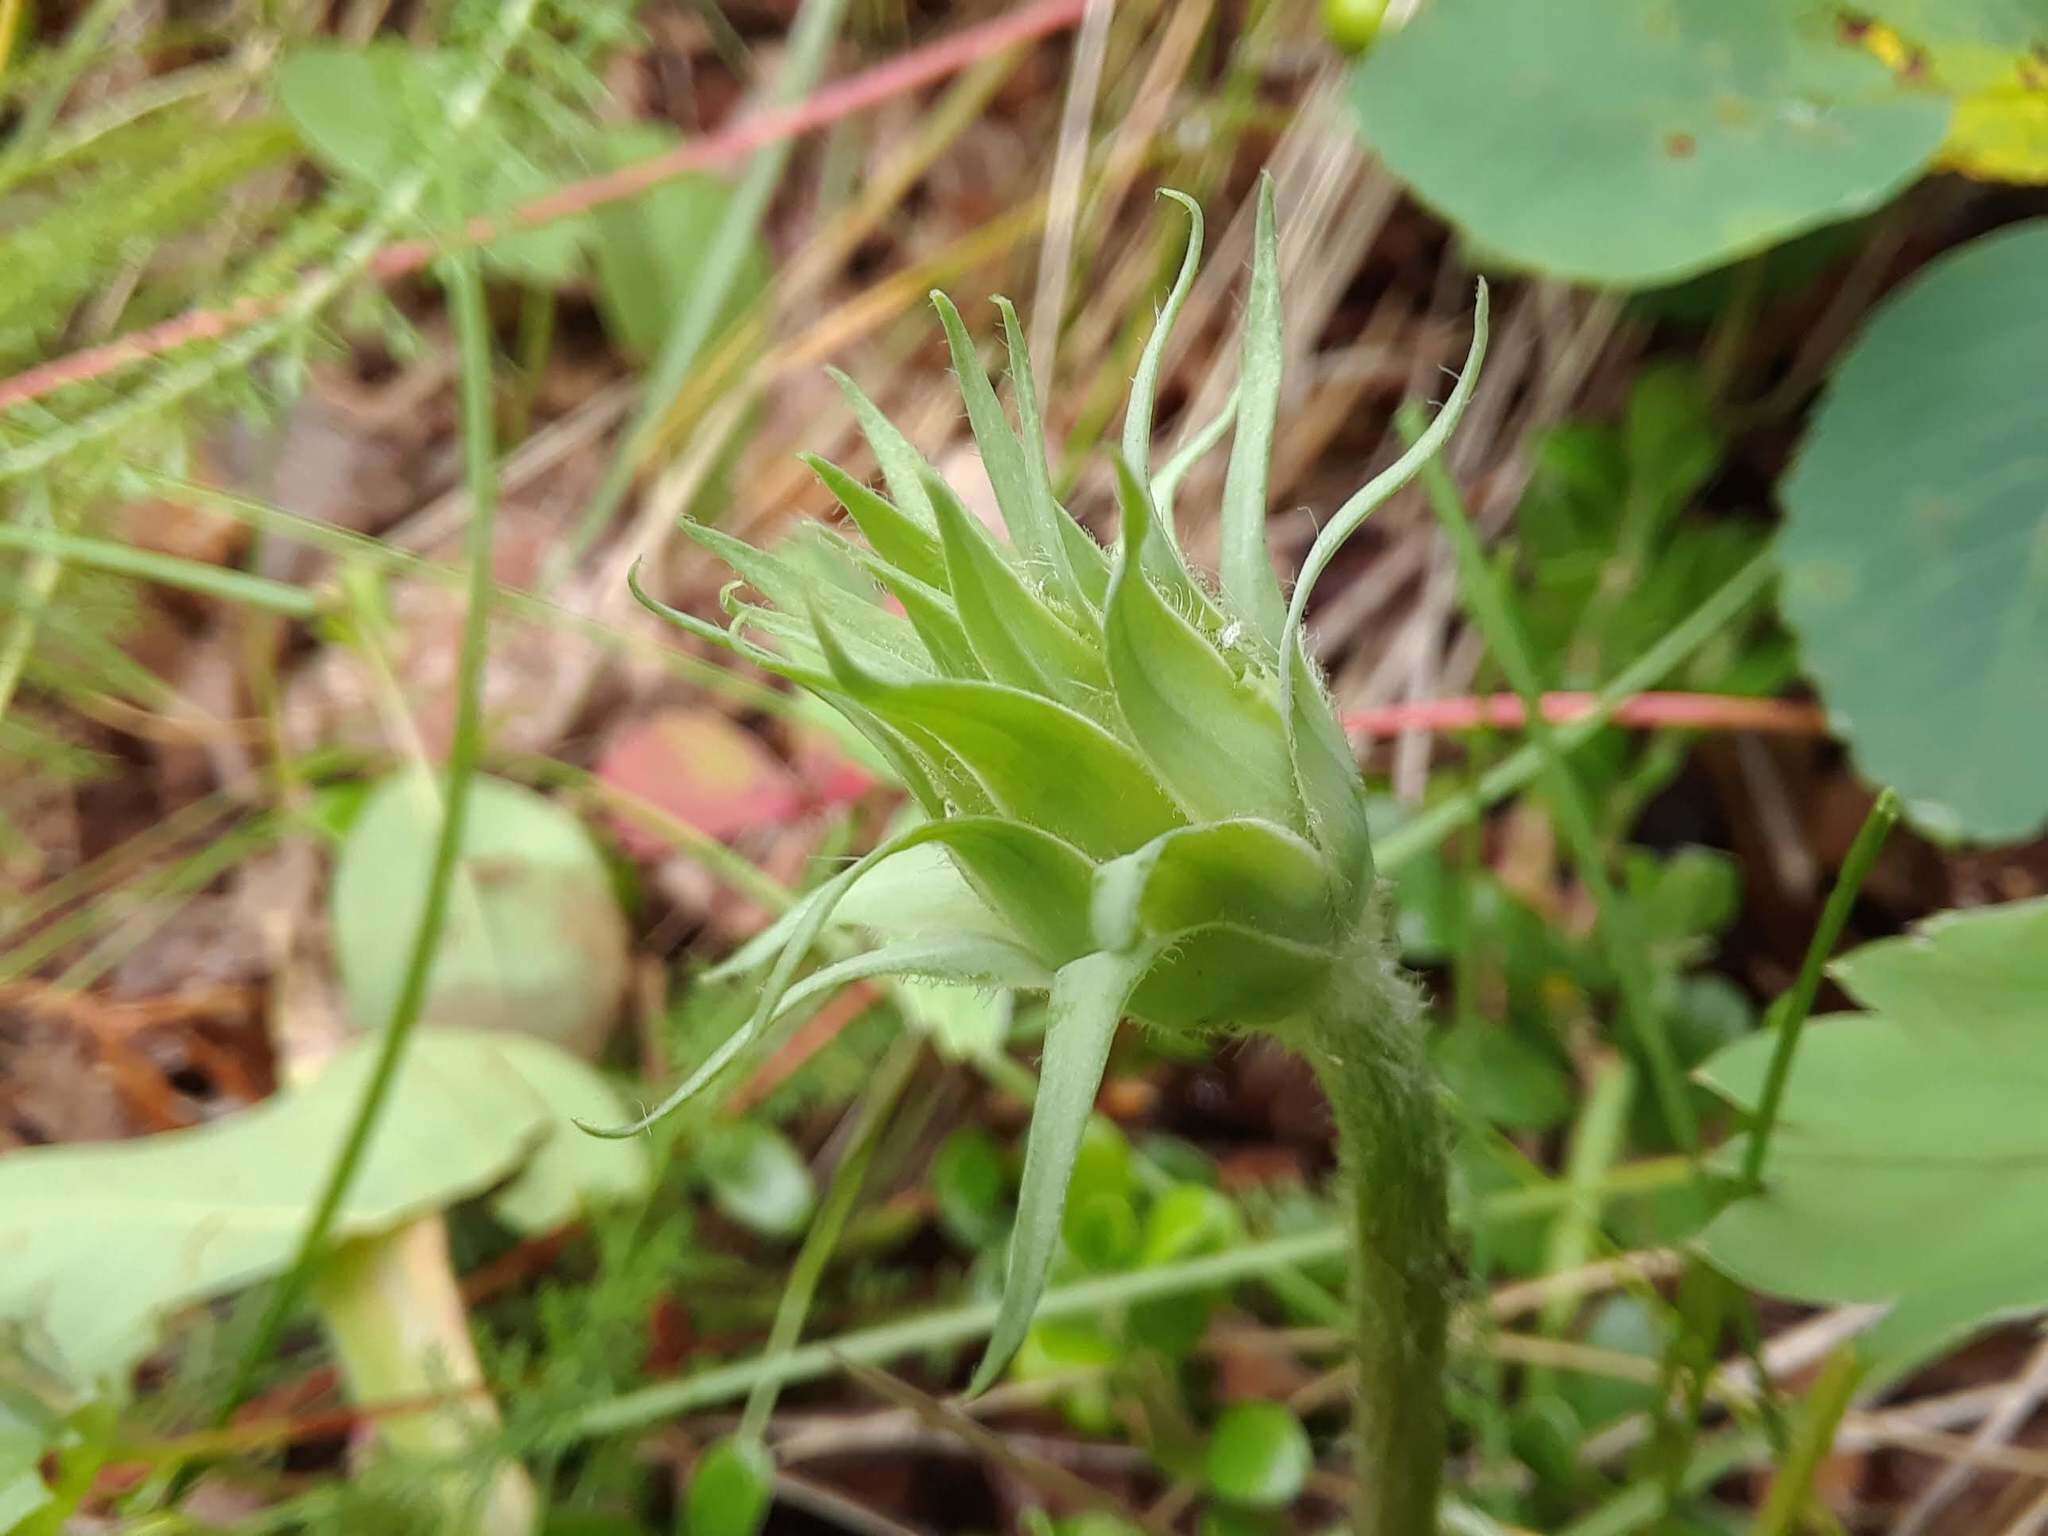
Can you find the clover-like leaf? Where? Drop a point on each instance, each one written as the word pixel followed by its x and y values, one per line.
pixel 1910 1159
pixel 1915 517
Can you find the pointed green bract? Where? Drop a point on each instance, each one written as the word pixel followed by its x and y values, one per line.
pixel 1029 518
pixel 933 616
pixel 1166 484
pixel 1084 557
pixel 1324 768
pixel 1249 585
pixel 962 959
pixel 906 542
pixel 1016 638
pixel 1252 873
pixel 1089 996
pixel 1038 760
pixel 1160 548
pixel 881 639
pixel 1144 802
pixel 1225 977
pixel 903 467
pixel 1211 733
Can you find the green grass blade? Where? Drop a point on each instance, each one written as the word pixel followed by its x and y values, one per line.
pixel 472 328
pixel 1621 930
pixel 228 585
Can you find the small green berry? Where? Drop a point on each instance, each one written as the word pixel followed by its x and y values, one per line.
pixel 1353 24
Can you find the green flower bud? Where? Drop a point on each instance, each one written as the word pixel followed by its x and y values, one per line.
pixel 1136 776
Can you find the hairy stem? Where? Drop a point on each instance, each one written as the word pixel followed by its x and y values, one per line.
pixel 1367 1047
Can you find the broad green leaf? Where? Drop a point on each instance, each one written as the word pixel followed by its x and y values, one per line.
pixel 27 1432
pixel 103 1242
pixel 1250 588
pixel 534 942
pixel 649 248
pixel 730 1491
pixel 1987 55
pixel 374 114
pixel 1211 731
pixel 1910 1160
pixel 1634 142
pixel 906 542
pixel 1258 1455
pixel 1252 873
pixel 757 1178
pixel 568 1175
pixel 1184 1222
pixel 1040 761
pixel 1016 637
pixel 1088 998
pixel 1624 1325
pixel 1916 519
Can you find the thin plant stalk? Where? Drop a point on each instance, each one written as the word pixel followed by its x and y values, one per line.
pixel 1791 1490
pixel 1626 943
pixel 1521 767
pixel 465 292
pixel 1793 1008
pixel 877 1105
pixel 810 45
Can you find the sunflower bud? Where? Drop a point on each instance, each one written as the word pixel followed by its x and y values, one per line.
pixel 1135 775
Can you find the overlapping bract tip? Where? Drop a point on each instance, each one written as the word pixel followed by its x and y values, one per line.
pixel 1136 774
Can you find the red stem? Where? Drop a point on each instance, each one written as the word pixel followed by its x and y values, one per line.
pixel 907 72
pixel 1649 711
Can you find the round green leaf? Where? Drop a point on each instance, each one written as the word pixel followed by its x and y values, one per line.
pixel 534 940
pixel 1502 1077
pixel 968 1183
pixel 1915 550
pixel 1259 1455
pixel 1634 142
pixel 757 1178
pixel 731 1491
